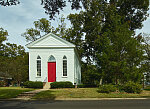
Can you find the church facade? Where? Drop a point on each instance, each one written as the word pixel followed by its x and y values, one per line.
pixel 52 58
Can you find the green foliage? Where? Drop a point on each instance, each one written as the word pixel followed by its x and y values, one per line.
pixel 147 88
pixel 122 53
pixel 131 87
pixel 2 83
pixel 63 84
pixel 81 86
pixel 42 26
pixel 106 88
pixel 87 85
pixel 3 35
pixel 90 75
pixel 13 60
pixel 33 84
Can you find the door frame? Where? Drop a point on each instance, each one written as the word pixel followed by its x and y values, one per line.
pixel 48 73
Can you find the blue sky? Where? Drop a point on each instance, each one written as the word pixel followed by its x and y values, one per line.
pixel 16 19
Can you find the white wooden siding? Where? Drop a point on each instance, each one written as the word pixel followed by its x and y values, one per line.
pixel 58 53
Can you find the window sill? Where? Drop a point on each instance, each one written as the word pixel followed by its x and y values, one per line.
pixel 38 76
pixel 64 76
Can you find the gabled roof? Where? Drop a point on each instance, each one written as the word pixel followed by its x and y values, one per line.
pixel 50 40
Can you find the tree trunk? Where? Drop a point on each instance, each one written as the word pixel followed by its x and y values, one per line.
pixel 100 81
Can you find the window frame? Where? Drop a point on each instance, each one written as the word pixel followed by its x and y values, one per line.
pixel 64 59
pixel 38 59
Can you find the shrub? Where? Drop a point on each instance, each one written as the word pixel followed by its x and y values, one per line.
pixel 119 87
pixel 2 83
pixel 131 87
pixel 90 85
pixel 147 88
pixel 33 84
pixel 81 86
pixel 62 84
pixel 106 88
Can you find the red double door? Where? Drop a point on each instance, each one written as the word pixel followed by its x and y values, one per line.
pixel 51 71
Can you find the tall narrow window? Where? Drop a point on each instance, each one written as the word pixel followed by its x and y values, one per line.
pixel 64 66
pixel 38 66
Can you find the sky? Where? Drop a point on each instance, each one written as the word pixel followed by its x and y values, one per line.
pixel 16 19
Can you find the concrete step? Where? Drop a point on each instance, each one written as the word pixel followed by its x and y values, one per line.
pixel 46 85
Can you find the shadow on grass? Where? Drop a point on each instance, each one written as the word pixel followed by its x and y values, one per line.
pixel 45 95
pixel 10 93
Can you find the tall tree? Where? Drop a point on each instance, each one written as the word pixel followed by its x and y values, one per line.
pixel 146 47
pixel 3 37
pixel 13 59
pixel 134 10
pixel 109 42
pixel 41 27
pixel 19 68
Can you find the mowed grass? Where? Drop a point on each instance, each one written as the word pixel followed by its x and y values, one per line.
pixel 86 93
pixel 11 92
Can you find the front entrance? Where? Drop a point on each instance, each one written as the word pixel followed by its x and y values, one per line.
pixel 51 69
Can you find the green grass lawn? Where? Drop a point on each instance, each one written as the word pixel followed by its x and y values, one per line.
pixel 11 92
pixel 86 93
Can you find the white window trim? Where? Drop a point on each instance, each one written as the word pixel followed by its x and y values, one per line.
pixel 36 67
pixel 62 68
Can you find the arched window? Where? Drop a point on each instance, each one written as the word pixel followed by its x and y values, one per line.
pixel 51 59
pixel 38 66
pixel 64 66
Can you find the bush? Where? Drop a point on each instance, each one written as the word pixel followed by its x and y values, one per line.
pixel 87 85
pixel 62 84
pixel 106 88
pixel 147 88
pixel 131 87
pixel 81 86
pixel 2 83
pixel 33 84
pixel 119 88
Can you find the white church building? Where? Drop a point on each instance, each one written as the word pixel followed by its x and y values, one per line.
pixel 52 58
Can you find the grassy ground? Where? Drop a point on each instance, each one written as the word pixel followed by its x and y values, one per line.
pixel 11 92
pixel 86 93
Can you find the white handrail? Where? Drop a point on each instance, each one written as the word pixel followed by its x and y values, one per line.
pixel 45 80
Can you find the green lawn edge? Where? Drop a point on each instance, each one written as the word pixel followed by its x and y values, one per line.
pixel 86 93
pixel 12 92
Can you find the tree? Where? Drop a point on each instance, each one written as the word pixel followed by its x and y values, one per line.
pixel 134 10
pixel 121 54
pixel 15 63
pixel 19 68
pixel 9 2
pixel 42 26
pixel 3 37
pixel 89 25
pixel 146 47
pixel 13 60
pixel 109 42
